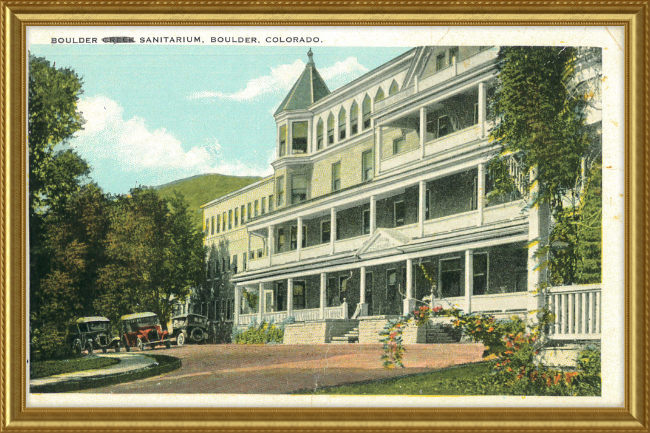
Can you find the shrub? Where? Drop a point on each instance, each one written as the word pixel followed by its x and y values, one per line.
pixel 266 332
pixel 48 342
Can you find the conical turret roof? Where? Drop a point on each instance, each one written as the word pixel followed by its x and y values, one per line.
pixel 309 88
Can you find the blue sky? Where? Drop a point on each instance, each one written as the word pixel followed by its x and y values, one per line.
pixel 160 113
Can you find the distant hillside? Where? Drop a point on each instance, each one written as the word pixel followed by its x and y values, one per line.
pixel 203 188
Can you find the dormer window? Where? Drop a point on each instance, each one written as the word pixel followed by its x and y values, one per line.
pixel 380 95
pixel 394 88
pixel 354 119
pixel 342 124
pixel 283 140
pixel 330 129
pixel 366 113
pixel 299 137
pixel 319 135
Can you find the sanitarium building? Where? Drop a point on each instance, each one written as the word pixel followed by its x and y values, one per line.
pixel 379 191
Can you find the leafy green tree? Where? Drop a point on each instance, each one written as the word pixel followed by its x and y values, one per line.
pixel 590 229
pixel 55 173
pixel 155 256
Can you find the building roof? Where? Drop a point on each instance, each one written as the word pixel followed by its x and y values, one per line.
pixel 309 88
pixel 92 319
pixel 137 315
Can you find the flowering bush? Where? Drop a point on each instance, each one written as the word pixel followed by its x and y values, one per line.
pixel 264 333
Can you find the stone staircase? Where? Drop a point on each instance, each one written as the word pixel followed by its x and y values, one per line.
pixel 439 334
pixel 351 336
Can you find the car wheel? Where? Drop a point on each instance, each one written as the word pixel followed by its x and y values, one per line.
pixel 90 347
pixel 180 339
pixel 104 350
pixel 197 334
pixel 76 346
pixel 140 345
pixel 117 348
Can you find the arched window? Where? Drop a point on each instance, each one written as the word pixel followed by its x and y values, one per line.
pixel 342 124
pixel 394 88
pixel 319 134
pixel 380 95
pixel 354 119
pixel 330 129
pixel 365 109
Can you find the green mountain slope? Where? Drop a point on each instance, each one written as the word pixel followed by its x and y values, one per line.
pixel 203 188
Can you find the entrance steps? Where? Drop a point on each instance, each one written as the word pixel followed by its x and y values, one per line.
pixel 351 336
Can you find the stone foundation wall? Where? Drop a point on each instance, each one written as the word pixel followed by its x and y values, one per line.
pixel 316 332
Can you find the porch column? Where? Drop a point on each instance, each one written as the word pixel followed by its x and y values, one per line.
pixel 409 302
pixel 271 243
pixel 363 306
pixel 482 103
pixel 323 294
pixel 422 203
pixel 299 228
pixel 333 229
pixel 378 144
pixel 480 192
pixel 423 130
pixel 373 214
pixel 237 305
pixel 260 304
pixel 289 297
pixel 538 221
pixel 469 280
pixel 248 251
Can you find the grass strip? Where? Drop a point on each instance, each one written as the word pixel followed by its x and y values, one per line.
pixel 41 369
pixel 166 364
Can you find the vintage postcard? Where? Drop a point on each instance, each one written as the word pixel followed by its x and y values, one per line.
pixel 326 216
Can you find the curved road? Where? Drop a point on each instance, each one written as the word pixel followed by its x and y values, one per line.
pixel 280 369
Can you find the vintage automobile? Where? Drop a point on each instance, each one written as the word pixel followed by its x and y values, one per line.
pixel 189 327
pixel 92 333
pixel 143 329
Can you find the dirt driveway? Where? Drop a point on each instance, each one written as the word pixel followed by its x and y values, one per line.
pixel 279 369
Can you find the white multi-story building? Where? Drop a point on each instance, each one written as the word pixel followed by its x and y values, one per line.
pixel 377 205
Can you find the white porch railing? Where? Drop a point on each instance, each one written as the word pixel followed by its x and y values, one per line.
pixel 577 312
pixel 350 244
pixel 492 303
pixel 312 314
pixel 451 222
pixel 450 141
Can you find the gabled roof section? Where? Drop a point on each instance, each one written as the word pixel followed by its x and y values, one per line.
pixel 309 88
pixel 382 240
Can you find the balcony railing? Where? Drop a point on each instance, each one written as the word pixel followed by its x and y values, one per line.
pixel 496 303
pixel 306 315
pixel 452 222
pixel 577 312
pixel 448 142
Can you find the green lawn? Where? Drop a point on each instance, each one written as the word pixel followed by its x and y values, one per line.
pixel 444 382
pixel 51 368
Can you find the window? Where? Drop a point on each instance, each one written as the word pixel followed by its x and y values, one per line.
pixel 354 119
pixel 368 288
pixel 330 129
pixel 480 273
pixel 444 126
pixel 260 253
pixel 243 261
pixel 336 176
pixel 332 293
pixel 380 95
pixel 241 212
pixel 453 54
pixel 398 144
pixel 367 165
pixel 440 62
pixel 223 222
pixel 366 222
pixel 207 225
pixel 271 203
pixel 234 264
pixel 256 207
pixel 218 223
pixel 394 88
pixel 230 219
pixel 319 134
pixel 299 295
pixel 281 241
pixel 212 226
pixel 298 188
pixel 399 209
pixel 473 200
pixel 475 113
pixel 365 110
pixel 325 227
pixel 342 125
pixel 299 137
pixel 263 205
pixel 228 262
pixel 248 211
pixel 280 190
pixel 283 140
pixel 294 237
pixel 427 204
pixel 450 277
pixel 236 217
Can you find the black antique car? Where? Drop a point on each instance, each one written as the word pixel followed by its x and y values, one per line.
pixel 92 333
pixel 189 327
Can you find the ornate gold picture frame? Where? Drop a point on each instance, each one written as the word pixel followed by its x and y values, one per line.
pixel 633 17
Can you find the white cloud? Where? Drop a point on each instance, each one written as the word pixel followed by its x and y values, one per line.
pixel 116 147
pixel 283 77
